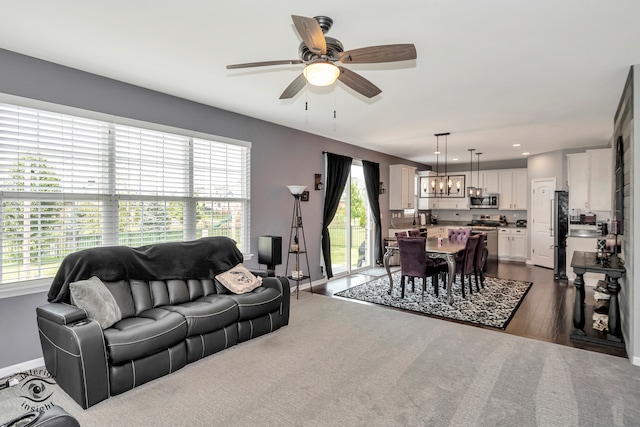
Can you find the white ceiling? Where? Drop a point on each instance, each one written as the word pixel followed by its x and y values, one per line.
pixel 541 73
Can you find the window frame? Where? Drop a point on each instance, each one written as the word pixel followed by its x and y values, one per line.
pixel 190 200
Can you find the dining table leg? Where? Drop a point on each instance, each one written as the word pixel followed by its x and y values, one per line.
pixel 451 265
pixel 385 260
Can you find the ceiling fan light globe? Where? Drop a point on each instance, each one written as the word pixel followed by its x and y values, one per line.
pixel 321 73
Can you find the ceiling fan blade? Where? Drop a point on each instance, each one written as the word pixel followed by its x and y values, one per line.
pixel 311 34
pixel 383 53
pixel 265 63
pixel 358 83
pixel 295 87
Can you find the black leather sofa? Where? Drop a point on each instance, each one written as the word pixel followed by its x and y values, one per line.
pixel 173 310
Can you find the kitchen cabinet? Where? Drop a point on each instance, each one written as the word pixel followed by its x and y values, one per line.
pixel 453 203
pixel 401 187
pixel 578 181
pixel 489 182
pixel 590 177
pixel 513 189
pixel 512 244
pixel 600 179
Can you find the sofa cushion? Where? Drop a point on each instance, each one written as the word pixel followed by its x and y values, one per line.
pixel 121 291
pixel 140 336
pixel 207 316
pixel 257 303
pixel 239 280
pixel 93 296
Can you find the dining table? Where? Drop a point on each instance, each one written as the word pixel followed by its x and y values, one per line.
pixel 435 247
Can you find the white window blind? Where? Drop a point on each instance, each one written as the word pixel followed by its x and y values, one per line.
pixel 69 183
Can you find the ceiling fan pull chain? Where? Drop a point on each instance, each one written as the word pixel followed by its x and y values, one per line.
pixel 306 107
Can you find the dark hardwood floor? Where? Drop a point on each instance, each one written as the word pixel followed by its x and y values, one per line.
pixel 545 313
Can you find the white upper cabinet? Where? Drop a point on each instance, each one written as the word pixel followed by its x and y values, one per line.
pixel 513 189
pixel 590 176
pixel 489 181
pixel 600 179
pixel 578 176
pixel 401 187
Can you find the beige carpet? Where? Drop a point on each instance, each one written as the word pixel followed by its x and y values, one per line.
pixel 342 363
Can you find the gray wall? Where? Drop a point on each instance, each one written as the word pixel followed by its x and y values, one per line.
pixel 629 295
pixel 280 156
pixel 548 165
pixel 634 203
pixel 484 166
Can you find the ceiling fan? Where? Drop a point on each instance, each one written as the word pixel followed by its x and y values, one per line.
pixel 319 52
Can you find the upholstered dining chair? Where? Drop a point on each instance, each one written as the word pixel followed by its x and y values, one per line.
pixel 401 234
pixel 414 233
pixel 459 234
pixel 414 262
pixel 466 265
pixel 480 259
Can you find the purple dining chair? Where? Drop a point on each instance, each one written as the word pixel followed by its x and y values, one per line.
pixel 459 234
pixel 414 262
pixel 466 266
pixel 480 259
pixel 414 233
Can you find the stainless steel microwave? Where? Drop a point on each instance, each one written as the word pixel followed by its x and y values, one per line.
pixel 487 201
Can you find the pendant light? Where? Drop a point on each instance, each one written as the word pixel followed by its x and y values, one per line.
pixel 471 190
pixel 435 179
pixel 446 146
pixel 478 189
pixel 443 180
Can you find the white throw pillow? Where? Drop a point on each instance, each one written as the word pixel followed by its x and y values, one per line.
pixel 239 280
pixel 93 296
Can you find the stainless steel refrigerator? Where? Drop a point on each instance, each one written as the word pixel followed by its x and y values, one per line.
pixel 560 231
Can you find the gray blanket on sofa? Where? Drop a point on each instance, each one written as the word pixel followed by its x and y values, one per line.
pixel 198 259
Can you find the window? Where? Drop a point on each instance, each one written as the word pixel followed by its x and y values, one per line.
pixel 68 183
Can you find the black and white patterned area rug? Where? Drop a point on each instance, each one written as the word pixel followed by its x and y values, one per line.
pixel 493 306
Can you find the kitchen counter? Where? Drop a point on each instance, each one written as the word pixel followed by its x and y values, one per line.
pixel 465 224
pixel 461 224
pixel 587 234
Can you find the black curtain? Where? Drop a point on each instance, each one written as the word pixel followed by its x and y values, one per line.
pixel 338 169
pixel 372 182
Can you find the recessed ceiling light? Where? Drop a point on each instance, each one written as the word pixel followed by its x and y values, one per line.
pixel 526 153
pixel 455 160
pixel 516 145
pixel 436 152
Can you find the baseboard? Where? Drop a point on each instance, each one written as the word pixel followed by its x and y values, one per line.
pixel 307 285
pixel 636 360
pixel 21 367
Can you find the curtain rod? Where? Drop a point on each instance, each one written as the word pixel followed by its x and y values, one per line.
pixel 354 158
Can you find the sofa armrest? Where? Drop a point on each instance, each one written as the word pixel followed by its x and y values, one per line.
pixel 74 352
pixel 282 285
pixel 60 313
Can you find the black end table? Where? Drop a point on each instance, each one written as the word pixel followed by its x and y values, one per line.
pixel 612 268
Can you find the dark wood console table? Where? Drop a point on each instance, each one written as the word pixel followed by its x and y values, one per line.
pixel 612 268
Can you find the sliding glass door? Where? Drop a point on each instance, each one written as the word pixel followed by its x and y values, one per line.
pixel 351 227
